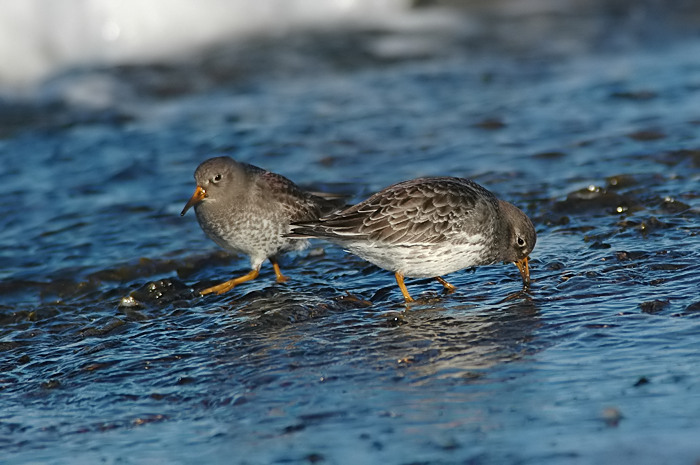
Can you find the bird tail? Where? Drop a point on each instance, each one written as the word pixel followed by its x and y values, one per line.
pixel 302 231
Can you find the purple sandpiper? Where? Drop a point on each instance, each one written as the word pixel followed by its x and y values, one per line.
pixel 429 227
pixel 246 209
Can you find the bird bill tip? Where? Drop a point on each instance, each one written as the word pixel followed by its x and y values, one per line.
pixel 524 269
pixel 198 196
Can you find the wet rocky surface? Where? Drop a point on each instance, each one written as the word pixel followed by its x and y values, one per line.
pixel 108 353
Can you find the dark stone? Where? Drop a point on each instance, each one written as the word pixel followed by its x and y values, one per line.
pixel 652 224
pixel 654 306
pixel 636 95
pixel 490 124
pixel 595 198
pixel 646 135
pixel 694 307
pixel 549 155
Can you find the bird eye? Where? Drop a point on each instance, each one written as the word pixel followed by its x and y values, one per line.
pixel 216 178
pixel 521 242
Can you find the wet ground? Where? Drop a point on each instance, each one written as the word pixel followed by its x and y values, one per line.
pixel 107 354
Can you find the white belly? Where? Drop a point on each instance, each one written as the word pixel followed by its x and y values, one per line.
pixel 259 237
pixel 423 260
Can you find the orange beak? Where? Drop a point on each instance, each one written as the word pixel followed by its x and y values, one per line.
pixel 199 195
pixel 524 270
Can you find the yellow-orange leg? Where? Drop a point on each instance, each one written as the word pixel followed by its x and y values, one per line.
pixel 228 285
pixel 402 286
pixel 280 277
pixel 448 287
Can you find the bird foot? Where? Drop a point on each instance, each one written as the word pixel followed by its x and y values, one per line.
pixel 449 288
pixel 280 277
pixel 228 285
pixel 218 289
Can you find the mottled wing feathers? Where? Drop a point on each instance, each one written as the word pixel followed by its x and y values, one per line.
pixel 426 210
pixel 298 204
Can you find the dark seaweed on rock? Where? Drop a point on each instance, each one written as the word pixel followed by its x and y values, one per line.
pixel 596 200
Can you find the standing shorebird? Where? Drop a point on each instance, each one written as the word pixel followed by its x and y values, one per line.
pixel 429 227
pixel 246 209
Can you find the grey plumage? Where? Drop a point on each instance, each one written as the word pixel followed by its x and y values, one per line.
pixel 248 210
pixel 428 227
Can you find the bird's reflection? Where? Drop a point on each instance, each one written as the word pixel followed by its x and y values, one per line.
pixel 454 339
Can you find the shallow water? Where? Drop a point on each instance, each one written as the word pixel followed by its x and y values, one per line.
pixel 596 363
